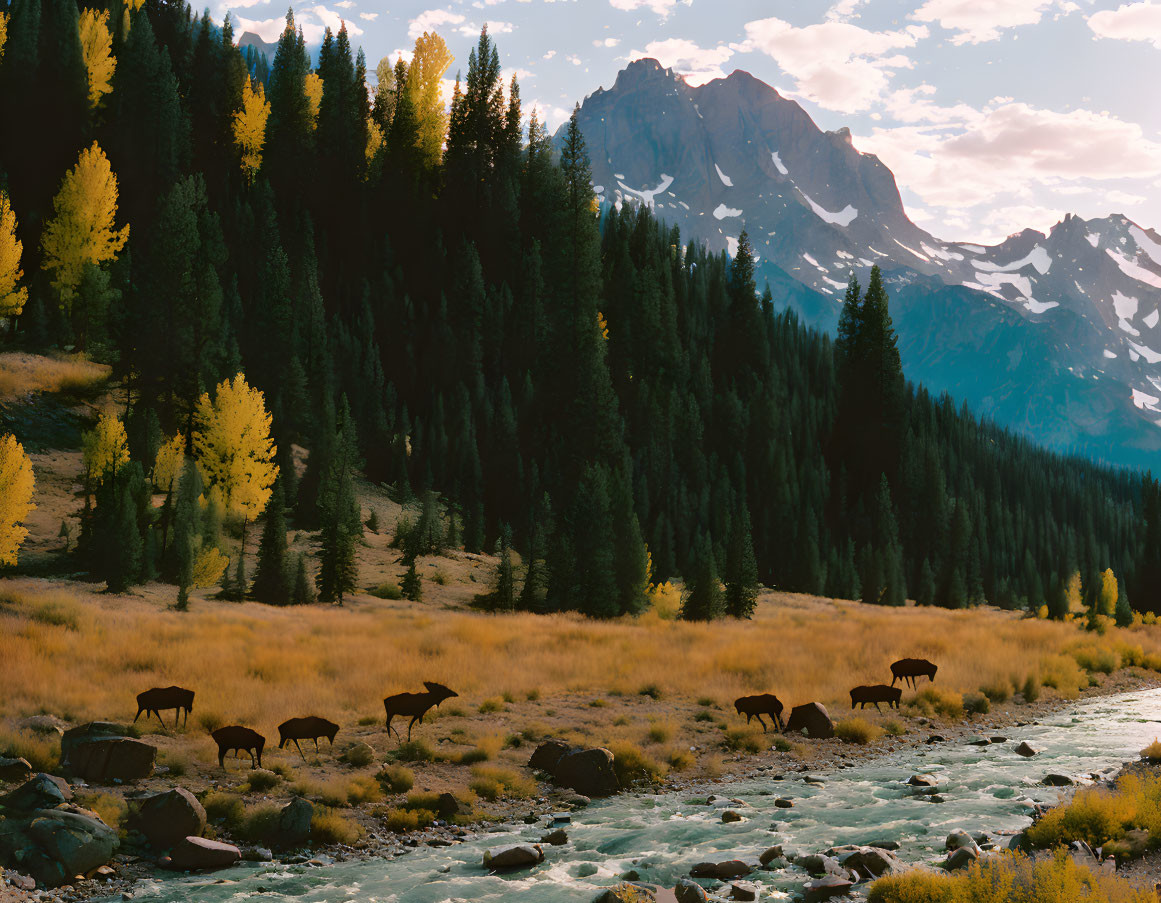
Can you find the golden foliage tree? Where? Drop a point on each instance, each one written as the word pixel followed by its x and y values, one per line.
pixel 250 127
pixel 17 484
pixel 3 32
pixel 1110 593
pixel 314 93
pixel 106 447
pixel 12 295
pixel 424 88
pixel 374 139
pixel 233 446
pixel 97 48
pixel 81 230
pixel 170 460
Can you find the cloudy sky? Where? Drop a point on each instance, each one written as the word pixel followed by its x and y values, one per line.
pixel 995 115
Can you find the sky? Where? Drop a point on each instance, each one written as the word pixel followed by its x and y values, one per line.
pixel 994 115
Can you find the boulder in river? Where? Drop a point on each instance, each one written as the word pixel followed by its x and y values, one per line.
pixel 723 871
pixel 67 844
pixel 557 838
pixel 813 718
pixel 192 854
pixel 743 890
pixel 962 857
pixel 819 864
pixel 784 803
pixel 923 780
pixel 689 891
pixel 730 815
pixel 165 818
pixel 870 862
pixel 1026 749
pixel 588 771
pixel 825 888
pixel 770 854
pixel 513 856
pixel 1057 780
pixel 957 839
pixel 627 892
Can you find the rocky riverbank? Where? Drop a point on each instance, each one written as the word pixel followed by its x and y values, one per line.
pixel 77 837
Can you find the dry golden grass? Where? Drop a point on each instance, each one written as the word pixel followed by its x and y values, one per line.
pixel 23 374
pixel 85 655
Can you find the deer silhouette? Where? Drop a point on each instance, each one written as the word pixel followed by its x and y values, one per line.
pixel 910 668
pixel 415 704
pixel 864 696
pixel 756 706
pixel 239 739
pixel 154 701
pixel 309 728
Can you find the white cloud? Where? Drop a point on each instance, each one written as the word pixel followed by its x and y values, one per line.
pixel 267 29
pixel 472 30
pixel 431 20
pixel 550 114
pixel 550 54
pixel 661 7
pixel 246 4
pixel 346 4
pixel 697 64
pixel 844 9
pixel 332 20
pixel 607 42
pixel 981 20
pixel 1131 22
pixel 369 17
pixel 837 65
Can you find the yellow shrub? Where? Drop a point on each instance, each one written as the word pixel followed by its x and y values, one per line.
pixel 1152 751
pixel 493 783
pixel 329 826
pixel 633 765
pixel 857 730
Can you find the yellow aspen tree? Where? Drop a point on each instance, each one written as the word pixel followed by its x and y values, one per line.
pixel 1109 594
pixel 17 484
pixel 81 230
pixel 314 92
pixel 250 128
pixel 12 295
pixel 97 48
pixel 374 139
pixel 424 88
pixel 170 460
pixel 233 446
pixel 106 447
pixel 134 5
pixel 3 32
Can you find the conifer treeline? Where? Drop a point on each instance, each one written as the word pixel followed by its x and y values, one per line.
pixel 578 385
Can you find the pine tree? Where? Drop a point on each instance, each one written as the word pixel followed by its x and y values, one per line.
pixel 411 585
pixel 702 597
pixel 187 530
pixel 741 574
pixel 503 595
pixel 272 580
pixel 303 593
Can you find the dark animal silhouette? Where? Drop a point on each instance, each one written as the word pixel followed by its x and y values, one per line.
pixel 239 739
pixel 415 704
pixel 874 695
pixel 756 706
pixel 153 702
pixel 910 668
pixel 309 728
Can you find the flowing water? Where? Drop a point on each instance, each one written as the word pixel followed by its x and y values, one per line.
pixel 988 788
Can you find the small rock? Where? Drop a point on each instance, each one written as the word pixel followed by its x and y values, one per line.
pixel 14 770
pixel 557 838
pixel 770 854
pixel 957 839
pixel 784 803
pixel 962 857
pixel 731 816
pixel 723 871
pixel 998 739
pixel 825 888
pixel 43 724
pixel 1026 749
pixel 193 854
pixel 516 855
pixel 936 738
pixel 889 845
pixel 688 891
pixel 1057 780
pixel 923 780
pixel 742 890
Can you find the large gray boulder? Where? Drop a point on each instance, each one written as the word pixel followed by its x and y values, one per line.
pixel 294 823
pixel 45 791
pixel 69 844
pixel 588 771
pixel 547 754
pixel 813 718
pixel 165 818
pixel 103 760
pixel 14 770
pixel 723 871
pixel 962 857
pixel 513 856
pixel 191 854
pixel 870 862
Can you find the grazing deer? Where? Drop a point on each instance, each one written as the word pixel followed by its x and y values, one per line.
pixel 309 728
pixel 910 668
pixel 239 739
pixel 861 696
pixel 153 702
pixel 415 704
pixel 756 706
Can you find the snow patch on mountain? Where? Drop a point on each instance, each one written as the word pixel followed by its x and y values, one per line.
pixel 1134 270
pixel 647 195
pixel 1146 244
pixel 726 180
pixel 908 250
pixel 1146 352
pixel 1150 320
pixel 1110 354
pixel 1093 238
pixel 778 164
pixel 843 218
pixel 1125 306
pixel 1039 307
pixel 1038 257
pixel 722 211
pixel 1145 401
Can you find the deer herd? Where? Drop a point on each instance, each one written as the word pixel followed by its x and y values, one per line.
pixel 239 739
pixel 906 669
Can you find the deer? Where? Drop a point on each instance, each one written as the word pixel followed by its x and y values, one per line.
pixel 239 739
pixel 415 704
pixel 861 696
pixel 910 668
pixel 309 728
pixel 756 706
pixel 152 702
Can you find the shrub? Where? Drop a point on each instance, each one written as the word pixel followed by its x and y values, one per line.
pixel 401 820
pixel 679 760
pixel 598 704
pixel 359 755
pixel 363 789
pixel 1094 814
pixel 894 727
pixel 223 808
pixel 706 702
pixel 743 739
pixel 42 753
pixel 857 730
pixel 57 612
pixel 111 809
pixel 998 692
pixel 977 704
pixel 1152 752
pixel 414 751
pixel 704 715
pixel 259 824
pixel 653 691
pixel 489 706
pixel 261 780
pixel 1097 659
pixel 1031 689
pixel 633 765
pixel 492 783
pixel 396 778
pixel 660 732
pixel 387 590
pixel 532 695
pixel 933 701
pixel 329 826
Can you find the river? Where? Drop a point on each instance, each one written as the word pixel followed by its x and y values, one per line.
pixel 988 788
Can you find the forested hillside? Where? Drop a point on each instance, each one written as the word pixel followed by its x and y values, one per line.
pixel 439 300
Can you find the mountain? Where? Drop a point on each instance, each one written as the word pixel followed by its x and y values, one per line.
pixel 1053 335
pixel 249 39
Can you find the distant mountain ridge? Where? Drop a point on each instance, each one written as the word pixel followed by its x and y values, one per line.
pixel 1055 335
